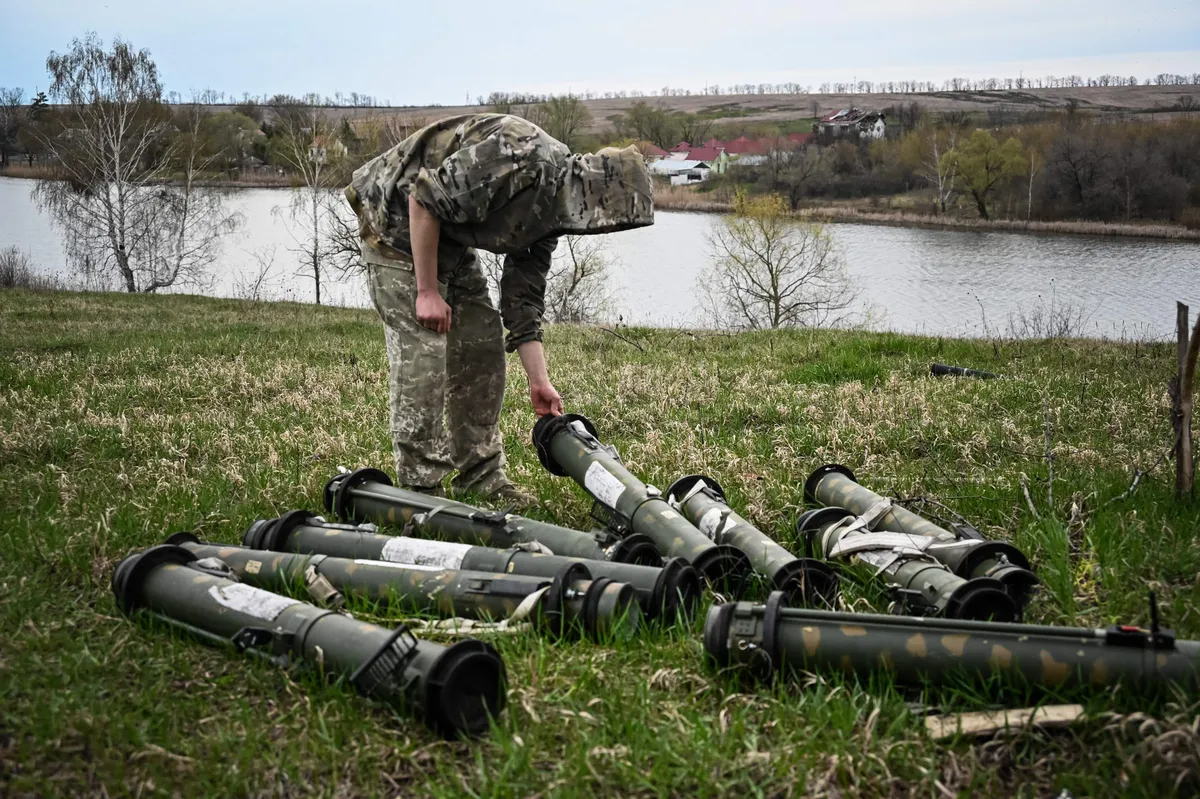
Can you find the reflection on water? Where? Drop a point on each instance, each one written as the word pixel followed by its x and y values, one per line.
pixel 926 281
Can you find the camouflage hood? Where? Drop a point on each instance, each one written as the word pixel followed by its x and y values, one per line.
pixel 499 183
pixel 604 192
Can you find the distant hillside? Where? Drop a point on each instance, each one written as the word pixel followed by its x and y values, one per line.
pixel 782 107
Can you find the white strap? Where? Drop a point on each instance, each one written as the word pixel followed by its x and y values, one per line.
pixel 514 623
pixel 854 543
pixel 868 519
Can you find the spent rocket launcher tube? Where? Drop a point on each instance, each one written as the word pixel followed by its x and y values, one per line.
pixel 555 604
pixel 454 689
pixel 567 445
pixel 967 557
pixel 771 638
pixel 701 500
pixel 922 584
pixel 941 370
pixel 367 495
pixel 664 592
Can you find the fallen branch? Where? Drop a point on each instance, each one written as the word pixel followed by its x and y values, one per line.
pixel 626 340
pixel 1138 474
pixel 1028 499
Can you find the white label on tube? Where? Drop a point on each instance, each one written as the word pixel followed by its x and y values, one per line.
pixel 420 552
pixel 602 485
pixel 252 601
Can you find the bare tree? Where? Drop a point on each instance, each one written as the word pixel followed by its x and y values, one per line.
pixel 398 127
pixel 936 168
pixel 1036 162
pixel 116 203
pixel 12 114
pixel 577 286
pixel 252 285
pixel 770 271
pixel 307 140
pixel 492 266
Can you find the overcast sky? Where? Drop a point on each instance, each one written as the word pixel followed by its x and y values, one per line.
pixel 443 52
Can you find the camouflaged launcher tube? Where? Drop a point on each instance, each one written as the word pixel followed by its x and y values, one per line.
pixel 941 370
pixel 456 690
pixel 771 638
pixel 805 581
pixel 968 557
pixel 556 605
pixel 367 495
pixel 567 445
pixel 922 585
pixel 664 592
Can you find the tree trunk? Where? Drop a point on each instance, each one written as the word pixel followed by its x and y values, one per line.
pixel 1181 401
pixel 126 272
pixel 980 204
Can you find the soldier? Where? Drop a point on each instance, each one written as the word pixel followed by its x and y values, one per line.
pixel 502 184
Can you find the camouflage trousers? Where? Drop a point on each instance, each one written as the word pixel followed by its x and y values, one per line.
pixel 446 389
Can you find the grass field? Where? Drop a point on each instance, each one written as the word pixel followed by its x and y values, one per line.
pixel 733 109
pixel 123 419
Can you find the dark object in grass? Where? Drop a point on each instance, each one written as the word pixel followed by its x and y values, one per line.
pixel 567 446
pixel 771 639
pixel 941 370
pixel 920 584
pixel 568 602
pixel 664 592
pixel 367 495
pixel 805 581
pixel 963 550
pixel 456 690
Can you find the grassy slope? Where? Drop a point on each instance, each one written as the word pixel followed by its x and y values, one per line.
pixel 123 419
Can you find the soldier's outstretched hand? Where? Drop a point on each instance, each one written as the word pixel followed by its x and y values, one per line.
pixel 546 401
pixel 433 312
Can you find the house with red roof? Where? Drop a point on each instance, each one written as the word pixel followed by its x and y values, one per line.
pixel 650 151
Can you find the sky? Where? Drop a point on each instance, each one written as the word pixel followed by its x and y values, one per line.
pixel 446 52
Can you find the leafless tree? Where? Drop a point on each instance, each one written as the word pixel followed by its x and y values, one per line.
pixel 307 141
pixel 492 265
pixel 769 271
pixel 577 286
pixel 398 127
pixel 936 168
pixel 252 285
pixel 130 202
pixel 12 114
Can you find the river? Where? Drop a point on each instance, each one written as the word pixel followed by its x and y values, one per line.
pixel 937 282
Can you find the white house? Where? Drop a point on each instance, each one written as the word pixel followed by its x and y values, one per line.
pixel 682 172
pixel 325 147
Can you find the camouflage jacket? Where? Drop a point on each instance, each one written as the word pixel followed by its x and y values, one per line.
pixel 502 184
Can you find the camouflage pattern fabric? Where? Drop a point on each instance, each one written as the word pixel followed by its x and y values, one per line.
pixel 502 184
pixel 446 389
pixel 499 183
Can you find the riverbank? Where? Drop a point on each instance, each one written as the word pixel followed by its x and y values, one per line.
pixel 126 418
pixel 679 198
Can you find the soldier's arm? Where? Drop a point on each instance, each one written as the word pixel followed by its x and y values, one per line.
pixel 522 303
pixel 424 230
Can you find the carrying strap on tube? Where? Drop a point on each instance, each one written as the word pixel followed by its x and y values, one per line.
pixel 515 623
